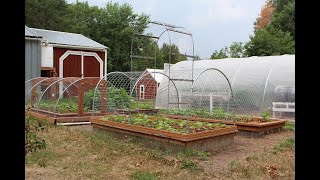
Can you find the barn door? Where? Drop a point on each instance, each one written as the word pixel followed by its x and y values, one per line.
pixel 141 91
pixel 80 64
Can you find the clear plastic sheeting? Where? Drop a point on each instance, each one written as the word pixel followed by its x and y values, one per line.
pixel 258 84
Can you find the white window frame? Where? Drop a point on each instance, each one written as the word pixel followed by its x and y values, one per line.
pixel 141 92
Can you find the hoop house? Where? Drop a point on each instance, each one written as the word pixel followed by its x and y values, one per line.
pixel 257 82
pixel 112 92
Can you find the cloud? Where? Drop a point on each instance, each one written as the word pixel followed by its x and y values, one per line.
pixel 206 12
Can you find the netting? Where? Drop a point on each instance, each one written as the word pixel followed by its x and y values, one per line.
pixel 61 95
pixel 259 84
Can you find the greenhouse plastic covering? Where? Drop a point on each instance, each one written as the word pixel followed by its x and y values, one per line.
pixel 240 85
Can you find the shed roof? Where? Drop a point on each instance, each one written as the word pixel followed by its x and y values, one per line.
pixel 30 33
pixel 157 76
pixel 66 38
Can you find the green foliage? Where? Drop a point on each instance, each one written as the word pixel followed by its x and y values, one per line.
pixel 235 50
pixel 117 98
pixel 32 141
pixel 284 145
pixel 49 14
pixel 284 20
pixel 222 54
pixel 88 99
pixel 113 25
pixel 187 164
pixel 265 116
pixel 162 123
pixel 278 37
pixel 142 105
pixel 138 175
pixel 289 126
pixel 175 57
pixel 233 165
pixel 192 153
pixel 270 41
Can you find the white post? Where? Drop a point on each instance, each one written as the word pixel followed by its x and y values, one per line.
pixel 211 103
pixel 82 64
pixel 105 62
pixel 273 112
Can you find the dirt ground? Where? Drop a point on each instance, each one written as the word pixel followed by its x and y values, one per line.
pixel 124 159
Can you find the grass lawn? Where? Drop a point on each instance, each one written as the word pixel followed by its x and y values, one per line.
pixel 80 153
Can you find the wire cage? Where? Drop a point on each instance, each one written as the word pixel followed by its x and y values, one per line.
pixel 70 96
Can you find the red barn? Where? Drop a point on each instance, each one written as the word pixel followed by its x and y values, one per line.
pixel 148 84
pixel 66 54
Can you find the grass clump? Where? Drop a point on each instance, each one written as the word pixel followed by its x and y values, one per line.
pixel 139 175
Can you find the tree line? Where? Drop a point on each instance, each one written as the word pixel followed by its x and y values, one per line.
pixel 113 25
pixel 274 33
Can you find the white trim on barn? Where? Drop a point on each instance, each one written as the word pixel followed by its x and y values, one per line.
pixel 80 53
pixel 46 56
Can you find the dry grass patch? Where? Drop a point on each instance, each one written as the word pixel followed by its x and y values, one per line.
pixel 279 163
pixel 75 154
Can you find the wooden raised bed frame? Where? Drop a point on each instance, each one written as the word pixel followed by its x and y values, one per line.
pixel 135 111
pixel 245 128
pixel 200 140
pixel 81 116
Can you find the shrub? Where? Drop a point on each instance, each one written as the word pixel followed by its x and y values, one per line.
pixel 32 141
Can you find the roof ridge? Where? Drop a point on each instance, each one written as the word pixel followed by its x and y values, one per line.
pixel 57 31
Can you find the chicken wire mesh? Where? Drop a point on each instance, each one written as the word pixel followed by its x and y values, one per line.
pixel 61 95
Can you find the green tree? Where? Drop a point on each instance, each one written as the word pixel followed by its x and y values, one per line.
pixel 270 41
pixel 48 14
pixel 83 18
pixel 223 53
pixel 236 50
pixel 285 19
pixel 175 53
pixel 278 36
pixel 114 26
pixel 280 4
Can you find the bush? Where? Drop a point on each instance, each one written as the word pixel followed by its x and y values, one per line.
pixel 117 98
pixel 32 141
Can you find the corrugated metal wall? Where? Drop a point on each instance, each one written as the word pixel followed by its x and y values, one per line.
pixel 32 59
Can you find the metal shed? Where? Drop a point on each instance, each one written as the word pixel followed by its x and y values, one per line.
pixel 32 53
pixel 66 54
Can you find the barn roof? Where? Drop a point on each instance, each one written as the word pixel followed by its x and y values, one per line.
pixel 30 33
pixel 69 39
pixel 157 76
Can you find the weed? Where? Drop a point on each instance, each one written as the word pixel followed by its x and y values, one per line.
pixel 289 126
pixel 138 175
pixel 192 153
pixel 233 165
pixel 187 164
pixel 284 145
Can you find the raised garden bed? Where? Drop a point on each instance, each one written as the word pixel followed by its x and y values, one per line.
pixel 137 111
pixel 255 128
pixel 55 118
pixel 166 131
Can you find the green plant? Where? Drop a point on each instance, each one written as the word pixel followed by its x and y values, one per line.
pixel 187 164
pixel 32 141
pixel 138 175
pixel 265 116
pixel 233 165
pixel 289 126
pixel 284 145
pixel 117 98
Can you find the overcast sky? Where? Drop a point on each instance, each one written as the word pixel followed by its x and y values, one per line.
pixel 213 23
